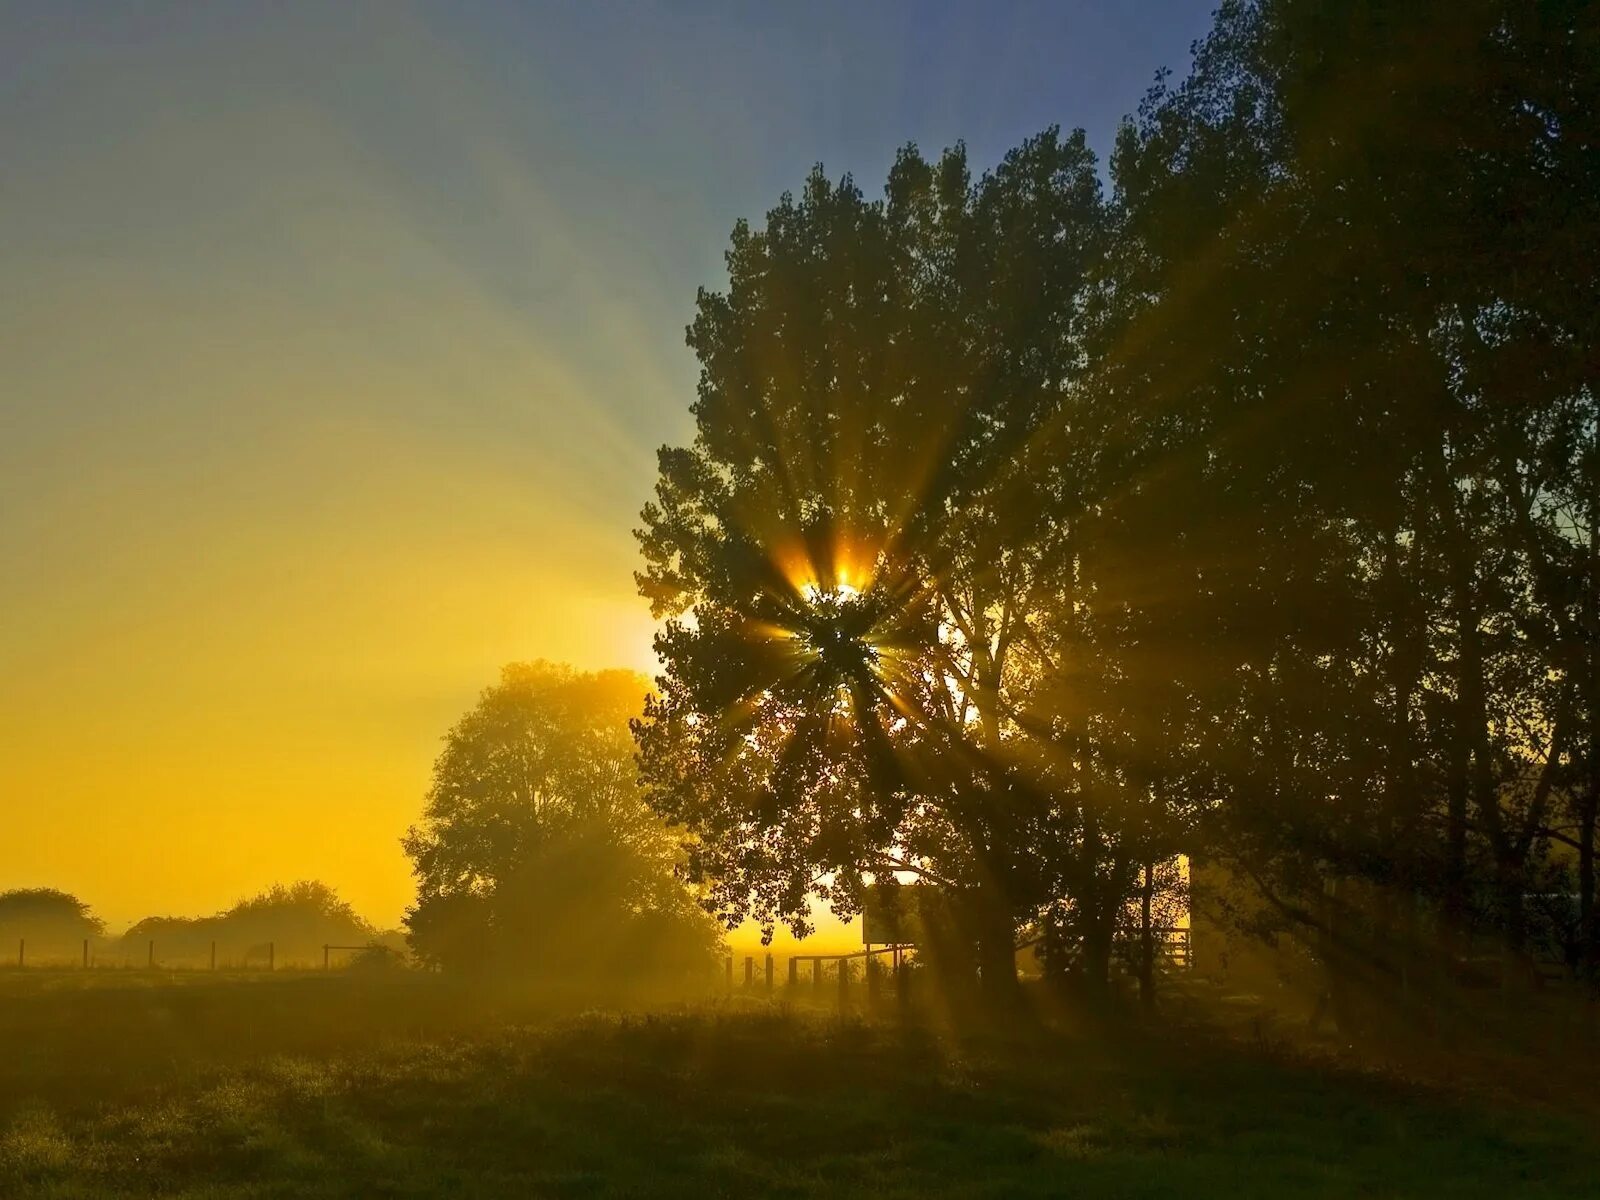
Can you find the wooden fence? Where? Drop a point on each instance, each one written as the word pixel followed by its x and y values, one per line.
pixel 1172 947
pixel 252 958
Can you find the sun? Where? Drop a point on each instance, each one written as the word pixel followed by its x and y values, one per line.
pixel 814 591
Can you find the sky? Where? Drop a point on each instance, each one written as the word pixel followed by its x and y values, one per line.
pixel 336 342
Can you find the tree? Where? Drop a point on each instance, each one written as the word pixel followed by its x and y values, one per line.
pixel 1349 370
pixel 536 853
pixel 857 548
pixel 296 920
pixel 1028 540
pixel 52 922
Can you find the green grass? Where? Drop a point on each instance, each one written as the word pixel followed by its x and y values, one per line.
pixel 116 1084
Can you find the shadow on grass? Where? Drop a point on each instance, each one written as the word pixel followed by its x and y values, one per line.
pixel 720 1100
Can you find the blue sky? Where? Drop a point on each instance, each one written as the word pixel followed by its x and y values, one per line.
pixel 545 152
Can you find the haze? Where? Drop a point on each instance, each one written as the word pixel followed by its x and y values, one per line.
pixel 337 342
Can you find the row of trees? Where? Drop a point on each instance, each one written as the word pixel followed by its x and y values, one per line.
pixel 297 920
pixel 1035 534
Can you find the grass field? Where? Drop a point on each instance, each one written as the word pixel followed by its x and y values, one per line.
pixel 122 1083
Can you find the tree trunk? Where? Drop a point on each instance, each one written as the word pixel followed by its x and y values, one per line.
pixel 1588 926
pixel 1513 917
pixel 1336 958
pixel 1589 807
pixel 997 953
pixel 1147 941
pixel 1403 796
pixel 1455 850
pixel 1097 936
pixel 991 931
pixel 1463 765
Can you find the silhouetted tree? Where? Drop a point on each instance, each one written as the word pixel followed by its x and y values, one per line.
pixel 54 923
pixel 859 546
pixel 296 920
pixel 1028 541
pixel 1344 385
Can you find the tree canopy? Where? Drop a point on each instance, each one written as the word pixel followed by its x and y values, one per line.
pixel 50 920
pixel 536 853
pixel 296 920
pixel 855 547
pixel 1031 536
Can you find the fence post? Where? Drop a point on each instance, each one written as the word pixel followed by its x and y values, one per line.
pixel 150 955
pixel 769 971
pixel 794 971
pixel 816 973
pixel 844 982
pixel 325 956
pixel 749 970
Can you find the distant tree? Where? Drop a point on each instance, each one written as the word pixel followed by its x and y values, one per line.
pixel 536 853
pixel 52 922
pixel 297 920
pixel 310 897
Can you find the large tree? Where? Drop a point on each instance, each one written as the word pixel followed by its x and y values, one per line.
pixel 859 545
pixel 1346 366
pixel 1027 540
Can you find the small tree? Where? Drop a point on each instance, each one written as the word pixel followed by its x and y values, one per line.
pixel 536 852
pixel 52 922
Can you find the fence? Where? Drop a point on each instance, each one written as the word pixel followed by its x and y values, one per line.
pixel 260 957
pixel 388 953
pixel 889 962
pixel 124 955
pixel 1171 945
pixel 876 964
pixel 1172 948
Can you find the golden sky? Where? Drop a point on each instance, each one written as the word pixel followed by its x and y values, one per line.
pixel 285 482
pixel 228 673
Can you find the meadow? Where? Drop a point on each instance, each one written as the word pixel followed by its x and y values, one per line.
pixel 128 1083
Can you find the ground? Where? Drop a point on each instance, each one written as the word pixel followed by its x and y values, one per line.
pixel 134 1083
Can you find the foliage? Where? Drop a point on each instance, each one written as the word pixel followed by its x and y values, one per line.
pixel 290 922
pixel 1345 359
pixel 536 853
pixel 1030 538
pixel 854 549
pixel 51 921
